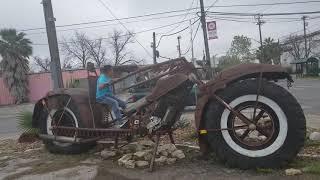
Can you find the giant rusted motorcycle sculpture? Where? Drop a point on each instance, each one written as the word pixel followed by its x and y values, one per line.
pixel 239 103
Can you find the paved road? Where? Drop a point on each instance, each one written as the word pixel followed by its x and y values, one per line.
pixel 306 91
pixel 8 119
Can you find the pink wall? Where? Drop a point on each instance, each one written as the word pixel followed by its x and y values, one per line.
pixel 39 85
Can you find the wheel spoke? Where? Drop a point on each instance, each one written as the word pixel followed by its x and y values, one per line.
pixel 245 134
pixel 242 117
pixel 239 127
pixel 263 132
pixel 259 116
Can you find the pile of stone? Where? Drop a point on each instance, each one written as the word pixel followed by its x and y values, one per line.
pixel 315 136
pixel 139 154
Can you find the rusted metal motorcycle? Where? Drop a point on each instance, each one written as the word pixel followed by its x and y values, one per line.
pixel 241 115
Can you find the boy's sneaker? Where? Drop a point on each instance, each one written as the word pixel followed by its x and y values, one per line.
pixel 120 123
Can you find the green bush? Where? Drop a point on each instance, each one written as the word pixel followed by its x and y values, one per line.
pixel 25 123
pixel 73 83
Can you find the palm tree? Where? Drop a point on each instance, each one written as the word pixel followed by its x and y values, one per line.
pixel 15 50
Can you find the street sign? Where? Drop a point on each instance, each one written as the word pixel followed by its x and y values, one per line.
pixel 212 30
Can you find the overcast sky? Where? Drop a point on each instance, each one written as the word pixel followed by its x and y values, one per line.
pixel 25 14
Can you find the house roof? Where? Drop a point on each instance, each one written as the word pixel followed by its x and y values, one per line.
pixel 304 60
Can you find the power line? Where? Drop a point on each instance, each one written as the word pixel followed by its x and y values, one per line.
pixel 139 32
pixel 194 37
pixel 182 18
pixel 165 35
pixel 285 36
pixel 265 14
pixel 104 5
pixel 106 25
pixel 248 20
pixel 169 12
pixel 111 20
pixel 233 20
pixel 267 4
pixel 215 2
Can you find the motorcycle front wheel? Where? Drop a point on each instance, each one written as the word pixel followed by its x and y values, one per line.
pixel 274 136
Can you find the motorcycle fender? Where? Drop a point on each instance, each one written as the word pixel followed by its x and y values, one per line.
pixel 77 95
pixel 237 73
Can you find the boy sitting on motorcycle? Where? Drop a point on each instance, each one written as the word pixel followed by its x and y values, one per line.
pixel 104 93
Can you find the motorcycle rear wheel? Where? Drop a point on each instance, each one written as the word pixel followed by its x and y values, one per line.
pixel 70 118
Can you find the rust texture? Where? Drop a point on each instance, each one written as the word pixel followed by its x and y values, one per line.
pixel 239 72
pixel 168 75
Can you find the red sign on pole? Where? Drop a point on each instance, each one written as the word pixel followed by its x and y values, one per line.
pixel 212 30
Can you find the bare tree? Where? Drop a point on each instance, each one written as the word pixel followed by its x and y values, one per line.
pixel 295 46
pixel 42 63
pixel 76 48
pixel 66 64
pixel 97 51
pixel 118 43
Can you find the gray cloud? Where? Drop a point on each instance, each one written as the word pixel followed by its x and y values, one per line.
pixel 24 14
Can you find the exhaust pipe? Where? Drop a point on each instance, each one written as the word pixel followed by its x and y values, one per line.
pixel 65 139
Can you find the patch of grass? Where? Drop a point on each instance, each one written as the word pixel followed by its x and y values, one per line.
pixel 300 163
pixel 310 143
pixel 313 168
pixel 308 165
pixel 25 122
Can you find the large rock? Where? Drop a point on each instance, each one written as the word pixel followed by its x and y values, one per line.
pixel 3 158
pixel 315 136
pixel 160 161
pixel 106 154
pixel 133 147
pixel 254 135
pixel 142 164
pixel 293 172
pixel 123 160
pixel 178 154
pixel 171 160
pixel 239 132
pixel 262 138
pixel 147 143
pixel 130 164
pixel 148 156
pixel 167 147
pixel 142 154
pixel 164 153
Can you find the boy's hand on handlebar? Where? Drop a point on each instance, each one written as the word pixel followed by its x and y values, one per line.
pixel 102 86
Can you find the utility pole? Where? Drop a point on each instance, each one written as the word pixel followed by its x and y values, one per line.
pixel 259 23
pixel 305 35
pixel 53 44
pixel 154 48
pixel 191 42
pixel 205 36
pixel 179 47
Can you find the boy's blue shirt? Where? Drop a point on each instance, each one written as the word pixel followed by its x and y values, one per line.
pixel 105 91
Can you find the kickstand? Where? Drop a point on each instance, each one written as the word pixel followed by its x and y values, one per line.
pixel 171 137
pixel 155 149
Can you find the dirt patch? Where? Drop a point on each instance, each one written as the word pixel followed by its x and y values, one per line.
pixel 31 161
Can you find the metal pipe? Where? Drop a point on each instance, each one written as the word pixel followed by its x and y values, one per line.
pixel 65 139
pixel 59 138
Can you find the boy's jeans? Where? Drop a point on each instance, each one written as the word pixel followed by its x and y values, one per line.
pixel 114 102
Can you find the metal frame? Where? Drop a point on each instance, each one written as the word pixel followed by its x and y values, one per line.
pixel 173 67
